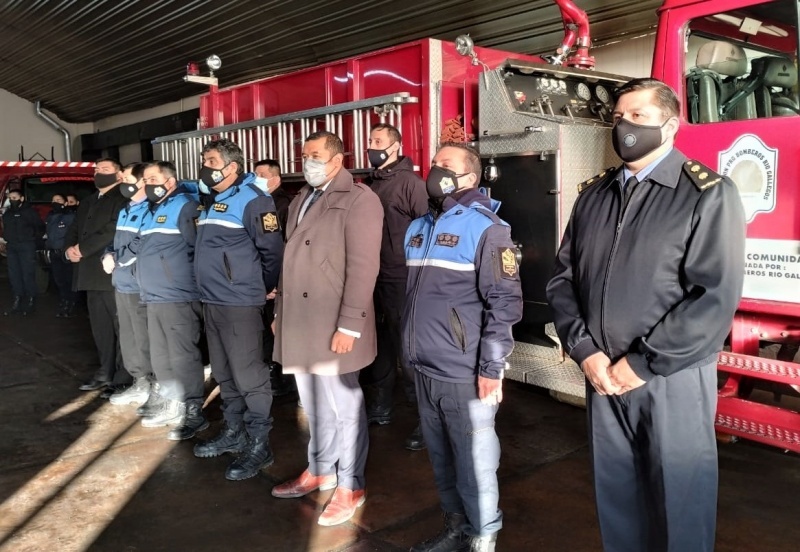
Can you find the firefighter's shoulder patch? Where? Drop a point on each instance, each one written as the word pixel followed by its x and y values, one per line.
pixel 594 180
pixel 269 222
pixel 508 261
pixel 700 175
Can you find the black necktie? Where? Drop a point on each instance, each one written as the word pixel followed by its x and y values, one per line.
pixel 314 197
pixel 630 185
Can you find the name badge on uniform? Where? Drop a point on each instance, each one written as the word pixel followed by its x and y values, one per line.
pixel 415 241
pixel 220 207
pixel 161 219
pixel 269 222
pixel 447 240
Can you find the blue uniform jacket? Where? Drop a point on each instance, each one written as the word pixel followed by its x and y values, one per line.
pixel 57 225
pixel 239 246
pixel 165 248
pixel 130 219
pixel 463 291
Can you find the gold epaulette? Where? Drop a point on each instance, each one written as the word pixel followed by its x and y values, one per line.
pixel 700 175
pixel 593 180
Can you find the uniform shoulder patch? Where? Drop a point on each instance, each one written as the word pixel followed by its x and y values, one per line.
pixel 269 222
pixel 594 180
pixel 507 259
pixel 700 175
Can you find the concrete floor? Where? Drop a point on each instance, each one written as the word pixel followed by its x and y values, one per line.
pixel 77 473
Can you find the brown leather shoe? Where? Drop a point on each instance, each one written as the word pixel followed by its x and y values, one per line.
pixel 342 506
pixel 303 485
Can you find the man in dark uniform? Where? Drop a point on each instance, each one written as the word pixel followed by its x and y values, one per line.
pixel 464 295
pixel 165 270
pixel 402 194
pixel 646 283
pixel 22 228
pixel 86 243
pixel 269 171
pixel 237 261
pixel 58 222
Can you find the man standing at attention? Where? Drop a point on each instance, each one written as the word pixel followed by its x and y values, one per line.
pixel 325 321
pixel 646 283
pixel 464 295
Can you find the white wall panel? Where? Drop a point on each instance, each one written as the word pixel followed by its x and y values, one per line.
pixel 632 57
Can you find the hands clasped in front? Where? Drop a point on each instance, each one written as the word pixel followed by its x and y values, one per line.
pixel 608 378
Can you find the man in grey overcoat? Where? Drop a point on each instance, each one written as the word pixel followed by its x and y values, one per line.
pixel 325 321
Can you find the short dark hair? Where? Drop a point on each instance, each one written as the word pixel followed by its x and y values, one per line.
pixel 166 168
pixel 472 156
pixel 332 142
pixel 16 191
pixel 137 169
pixel 394 134
pixel 663 95
pixel 111 160
pixel 72 195
pixel 272 164
pixel 62 196
pixel 229 151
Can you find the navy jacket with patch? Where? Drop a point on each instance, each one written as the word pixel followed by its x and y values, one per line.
pixel 165 248
pixel 130 219
pixel 239 246
pixel 463 291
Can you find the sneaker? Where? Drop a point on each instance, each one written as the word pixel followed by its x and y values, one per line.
pixel 138 393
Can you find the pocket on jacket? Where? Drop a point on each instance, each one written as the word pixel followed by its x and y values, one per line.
pixel 336 281
pixel 228 269
pixel 458 330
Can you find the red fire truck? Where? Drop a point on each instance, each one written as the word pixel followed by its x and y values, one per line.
pixel 542 126
pixel 39 180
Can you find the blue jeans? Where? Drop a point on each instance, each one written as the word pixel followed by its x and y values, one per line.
pixel 464 451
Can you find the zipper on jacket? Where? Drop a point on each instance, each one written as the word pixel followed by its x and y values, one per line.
pixel 458 330
pixel 227 267
pixel 412 333
pixel 167 271
pixel 614 244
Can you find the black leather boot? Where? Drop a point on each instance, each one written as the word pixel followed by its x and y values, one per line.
pixel 256 455
pixel 16 307
pixel 415 441
pixel 193 422
pixel 27 306
pixel 230 439
pixel 451 539
pixel 486 543
pixel 379 407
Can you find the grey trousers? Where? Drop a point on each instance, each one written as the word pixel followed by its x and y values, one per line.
pixel 133 339
pixel 655 463
pixel 235 344
pixel 464 451
pixel 174 331
pixel 337 421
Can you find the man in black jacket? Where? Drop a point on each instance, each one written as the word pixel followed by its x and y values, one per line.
pixel 22 227
pixel 646 283
pixel 86 243
pixel 403 196
pixel 58 222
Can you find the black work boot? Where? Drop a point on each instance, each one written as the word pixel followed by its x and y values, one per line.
pixel 16 307
pixel 255 456
pixel 230 439
pixel 379 409
pixel 27 306
pixel 415 441
pixel 483 544
pixel 152 403
pixel 451 539
pixel 193 422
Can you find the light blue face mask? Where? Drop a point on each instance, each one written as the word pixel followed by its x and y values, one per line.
pixel 262 184
pixel 203 188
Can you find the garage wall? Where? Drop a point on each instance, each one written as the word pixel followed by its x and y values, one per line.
pixel 632 57
pixel 21 127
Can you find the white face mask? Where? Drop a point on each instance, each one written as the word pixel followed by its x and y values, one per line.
pixel 314 172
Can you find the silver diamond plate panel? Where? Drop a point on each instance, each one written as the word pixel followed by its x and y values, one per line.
pixel 543 366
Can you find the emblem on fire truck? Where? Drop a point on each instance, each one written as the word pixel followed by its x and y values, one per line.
pixel 753 167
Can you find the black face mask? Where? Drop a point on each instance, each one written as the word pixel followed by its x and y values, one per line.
pixel 155 192
pixel 441 183
pixel 15 203
pixel 378 157
pixel 58 207
pixel 632 141
pixel 128 190
pixel 104 180
pixel 211 177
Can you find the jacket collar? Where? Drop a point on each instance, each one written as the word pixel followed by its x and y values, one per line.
pixel 333 197
pixel 666 173
pixel 403 163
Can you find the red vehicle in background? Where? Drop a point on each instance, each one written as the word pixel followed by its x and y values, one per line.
pixel 542 126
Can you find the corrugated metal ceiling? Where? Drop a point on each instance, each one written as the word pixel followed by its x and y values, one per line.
pixel 88 59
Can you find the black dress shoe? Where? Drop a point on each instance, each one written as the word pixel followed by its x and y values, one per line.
pixel 415 441
pixel 93 384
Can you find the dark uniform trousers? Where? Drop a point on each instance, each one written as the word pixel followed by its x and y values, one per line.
pixel 133 339
pixel 268 338
pixel 105 330
pixel 334 406
pixel 464 450
pixel 655 463
pixel 236 351
pixel 22 269
pixel 62 275
pixel 174 331
pixel 390 300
